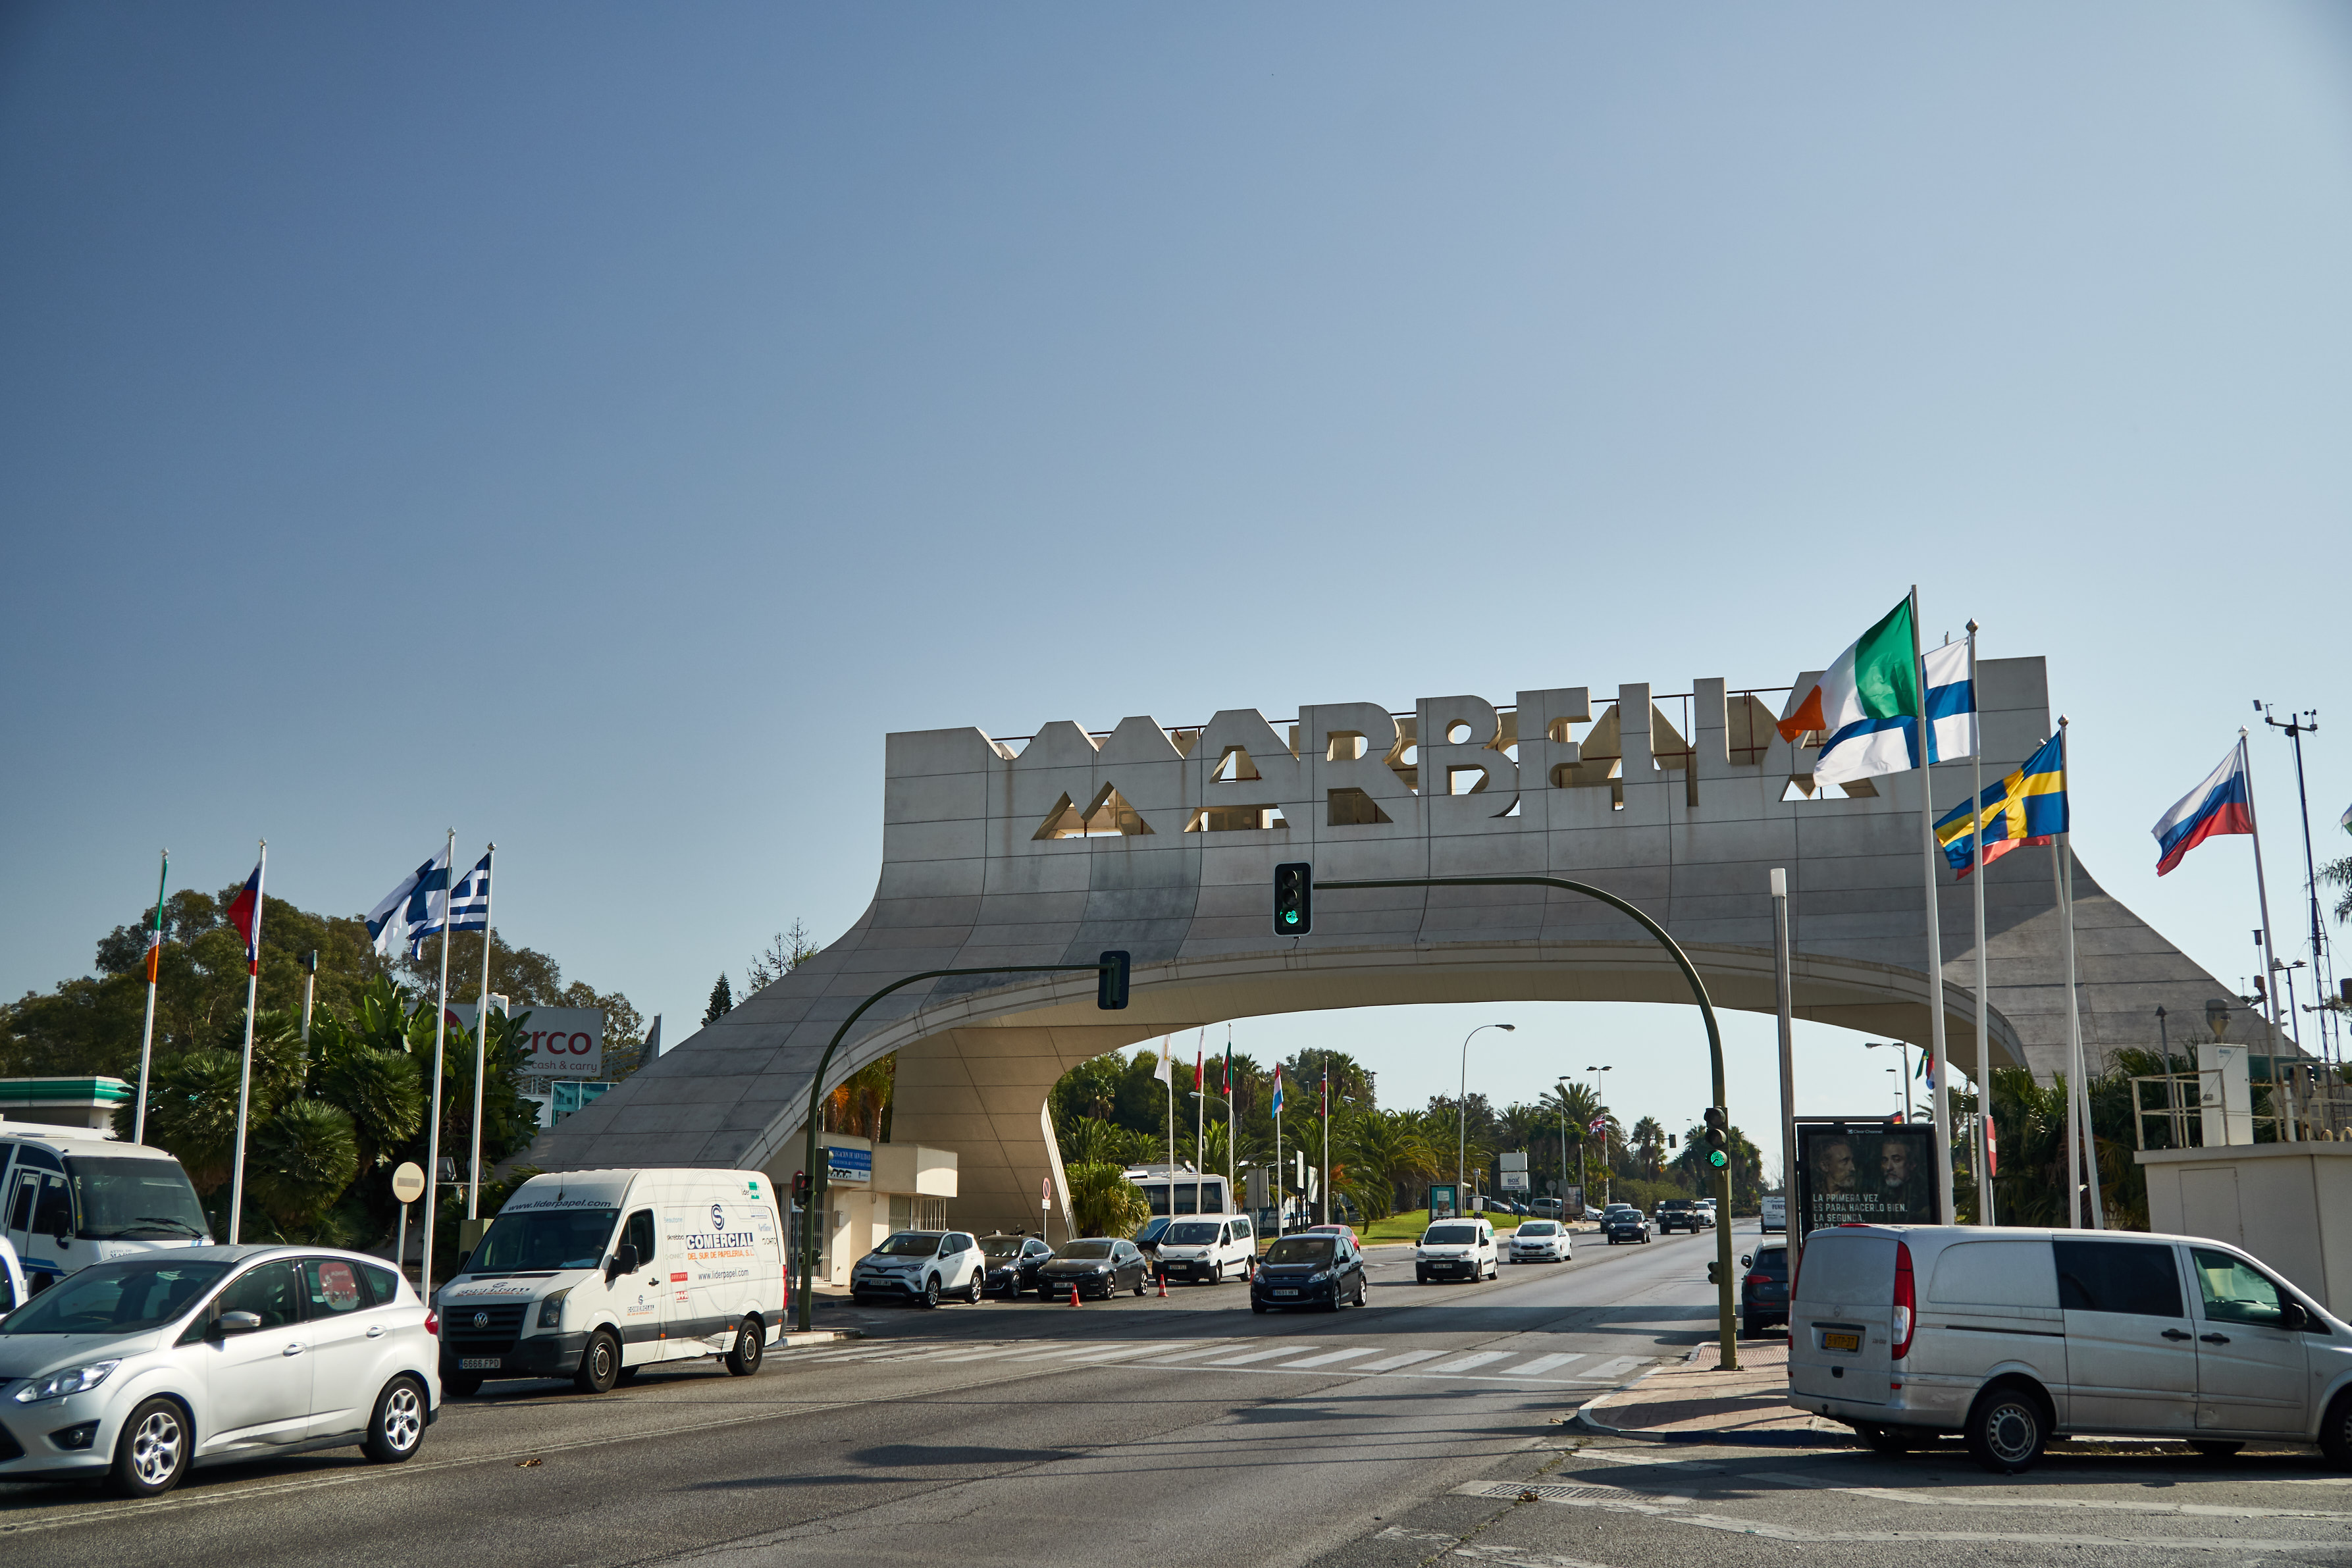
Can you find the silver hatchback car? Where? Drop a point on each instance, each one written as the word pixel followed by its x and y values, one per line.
pixel 137 1369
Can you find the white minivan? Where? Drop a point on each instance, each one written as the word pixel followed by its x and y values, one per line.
pixel 1209 1248
pixel 593 1275
pixel 72 1196
pixel 2013 1336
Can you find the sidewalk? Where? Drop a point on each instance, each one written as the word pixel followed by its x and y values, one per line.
pixel 1692 1402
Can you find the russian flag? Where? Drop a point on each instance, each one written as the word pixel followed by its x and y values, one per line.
pixel 2224 803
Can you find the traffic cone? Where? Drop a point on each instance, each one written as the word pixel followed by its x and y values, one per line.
pixel 1073 1292
pixel 1163 1284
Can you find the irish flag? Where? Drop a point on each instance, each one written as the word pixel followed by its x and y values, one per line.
pixel 1867 705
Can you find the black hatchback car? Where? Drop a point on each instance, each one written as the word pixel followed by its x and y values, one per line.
pixel 1764 1289
pixel 1325 1270
pixel 1013 1263
pixel 1099 1266
pixel 1624 1225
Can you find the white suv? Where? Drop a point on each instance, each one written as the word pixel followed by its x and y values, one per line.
pixel 921 1266
pixel 1455 1249
pixel 1209 1248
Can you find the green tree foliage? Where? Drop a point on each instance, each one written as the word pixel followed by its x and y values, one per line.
pixel 1103 1202
pixel 722 1002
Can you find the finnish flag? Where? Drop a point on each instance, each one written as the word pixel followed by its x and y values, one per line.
pixel 413 910
pixel 1951 703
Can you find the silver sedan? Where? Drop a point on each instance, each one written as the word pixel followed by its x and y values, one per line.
pixel 137 1369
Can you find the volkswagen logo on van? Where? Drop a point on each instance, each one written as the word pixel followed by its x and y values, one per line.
pixel 481 1320
pixel 718 1218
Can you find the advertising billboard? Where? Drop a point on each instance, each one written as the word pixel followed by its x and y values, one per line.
pixel 557 1042
pixel 1866 1173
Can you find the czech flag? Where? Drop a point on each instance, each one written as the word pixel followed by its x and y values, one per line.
pixel 245 915
pixel 2224 803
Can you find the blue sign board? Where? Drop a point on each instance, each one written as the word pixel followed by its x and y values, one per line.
pixel 849 1166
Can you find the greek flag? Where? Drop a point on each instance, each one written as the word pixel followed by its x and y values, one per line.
pixel 413 910
pixel 470 900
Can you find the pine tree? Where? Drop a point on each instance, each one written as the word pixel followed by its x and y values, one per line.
pixel 722 1002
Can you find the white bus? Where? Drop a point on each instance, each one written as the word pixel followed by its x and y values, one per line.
pixel 1196 1192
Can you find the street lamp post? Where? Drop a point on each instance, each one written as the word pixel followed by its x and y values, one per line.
pixel 1905 1047
pixel 1608 1177
pixel 1462 1115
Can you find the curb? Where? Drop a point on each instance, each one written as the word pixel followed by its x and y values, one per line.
pixel 796 1341
pixel 1585 1422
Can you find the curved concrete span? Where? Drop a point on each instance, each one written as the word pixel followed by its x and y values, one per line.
pixel 1162 841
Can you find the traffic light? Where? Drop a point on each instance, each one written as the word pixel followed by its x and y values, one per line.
pixel 1293 897
pixel 800 1189
pixel 1718 1128
pixel 1110 982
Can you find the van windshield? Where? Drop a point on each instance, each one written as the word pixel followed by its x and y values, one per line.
pixel 528 1243
pixel 1192 1232
pixel 120 1198
pixel 1451 1235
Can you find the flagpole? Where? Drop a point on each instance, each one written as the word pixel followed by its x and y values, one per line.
pixel 1984 1017
pixel 147 1030
pixel 440 1037
pixel 245 1074
pixel 1233 1134
pixel 1325 1211
pixel 1167 1065
pixel 2263 899
pixel 2081 1096
pixel 481 1032
pixel 1199 1117
pixel 1278 1197
pixel 1927 853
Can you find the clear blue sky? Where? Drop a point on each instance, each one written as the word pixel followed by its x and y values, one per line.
pixel 595 426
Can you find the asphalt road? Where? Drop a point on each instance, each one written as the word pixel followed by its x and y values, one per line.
pixel 1183 1431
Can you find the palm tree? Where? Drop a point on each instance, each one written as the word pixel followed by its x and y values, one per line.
pixel 1389 1154
pixel 1648 1147
pixel 1103 1202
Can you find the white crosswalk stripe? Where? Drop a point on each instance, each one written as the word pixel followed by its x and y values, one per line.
pixel 1256 1355
pixel 1557 1367
pixel 1465 1362
pixel 1409 1357
pixel 1544 1364
pixel 1327 1358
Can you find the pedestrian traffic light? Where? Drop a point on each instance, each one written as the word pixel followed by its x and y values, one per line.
pixel 1719 1127
pixel 1110 982
pixel 1293 897
pixel 800 1189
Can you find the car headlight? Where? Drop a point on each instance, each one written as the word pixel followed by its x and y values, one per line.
pixel 550 1308
pixel 72 1380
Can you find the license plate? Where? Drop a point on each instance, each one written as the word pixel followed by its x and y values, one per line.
pixel 481 1364
pixel 1840 1342
pixel 1285 1292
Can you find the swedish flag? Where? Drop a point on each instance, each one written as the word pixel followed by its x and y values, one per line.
pixel 2027 807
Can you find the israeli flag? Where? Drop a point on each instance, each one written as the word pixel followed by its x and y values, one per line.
pixel 470 900
pixel 413 910
pixel 1951 703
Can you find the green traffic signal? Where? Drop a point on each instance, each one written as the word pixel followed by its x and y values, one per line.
pixel 1717 1158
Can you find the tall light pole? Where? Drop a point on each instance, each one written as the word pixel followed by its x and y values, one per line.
pixel 1462 1115
pixel 1905 1048
pixel 1564 1081
pixel 1608 1181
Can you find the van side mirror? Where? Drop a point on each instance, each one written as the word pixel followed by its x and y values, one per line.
pixel 625 1261
pixel 2293 1316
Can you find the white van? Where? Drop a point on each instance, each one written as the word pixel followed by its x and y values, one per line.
pixel 593 1275
pixel 2013 1336
pixel 1209 1248
pixel 72 1196
pixel 1776 1215
pixel 1457 1249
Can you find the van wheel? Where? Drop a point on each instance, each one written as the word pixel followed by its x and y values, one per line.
pixel 396 1426
pixel 2336 1432
pixel 2213 1448
pixel 599 1364
pixel 2006 1428
pixel 460 1385
pixel 151 1455
pixel 1885 1439
pixel 1217 1273
pixel 743 1357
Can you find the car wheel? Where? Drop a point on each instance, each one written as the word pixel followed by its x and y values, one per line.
pixel 460 1385
pixel 749 1348
pixel 1421 1276
pixel 1256 1305
pixel 151 1455
pixel 396 1426
pixel 1217 1271
pixel 1139 1280
pixel 2336 1432
pixel 599 1364
pixel 930 1296
pixel 1748 1326
pixel 1360 1289
pixel 2214 1449
pixel 2006 1428
pixel 976 1290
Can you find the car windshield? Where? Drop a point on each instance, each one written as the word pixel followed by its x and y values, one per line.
pixel 1001 1245
pixel 910 1243
pixel 1445 1235
pixel 1088 1250
pixel 1302 1249
pixel 116 1298
pixel 118 1197
pixel 1151 1232
pixel 1192 1232
pixel 1545 1227
pixel 544 1241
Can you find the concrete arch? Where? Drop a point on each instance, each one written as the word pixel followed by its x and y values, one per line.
pixel 984 863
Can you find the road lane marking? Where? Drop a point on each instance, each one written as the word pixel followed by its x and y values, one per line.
pixel 1326 1359
pixel 1174 1356
pixel 1623 1363
pixel 1117 1352
pixel 1467 1363
pixel 1409 1357
pixel 1544 1364
pixel 1256 1355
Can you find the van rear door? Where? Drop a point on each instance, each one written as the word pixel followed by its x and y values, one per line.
pixel 1841 1317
